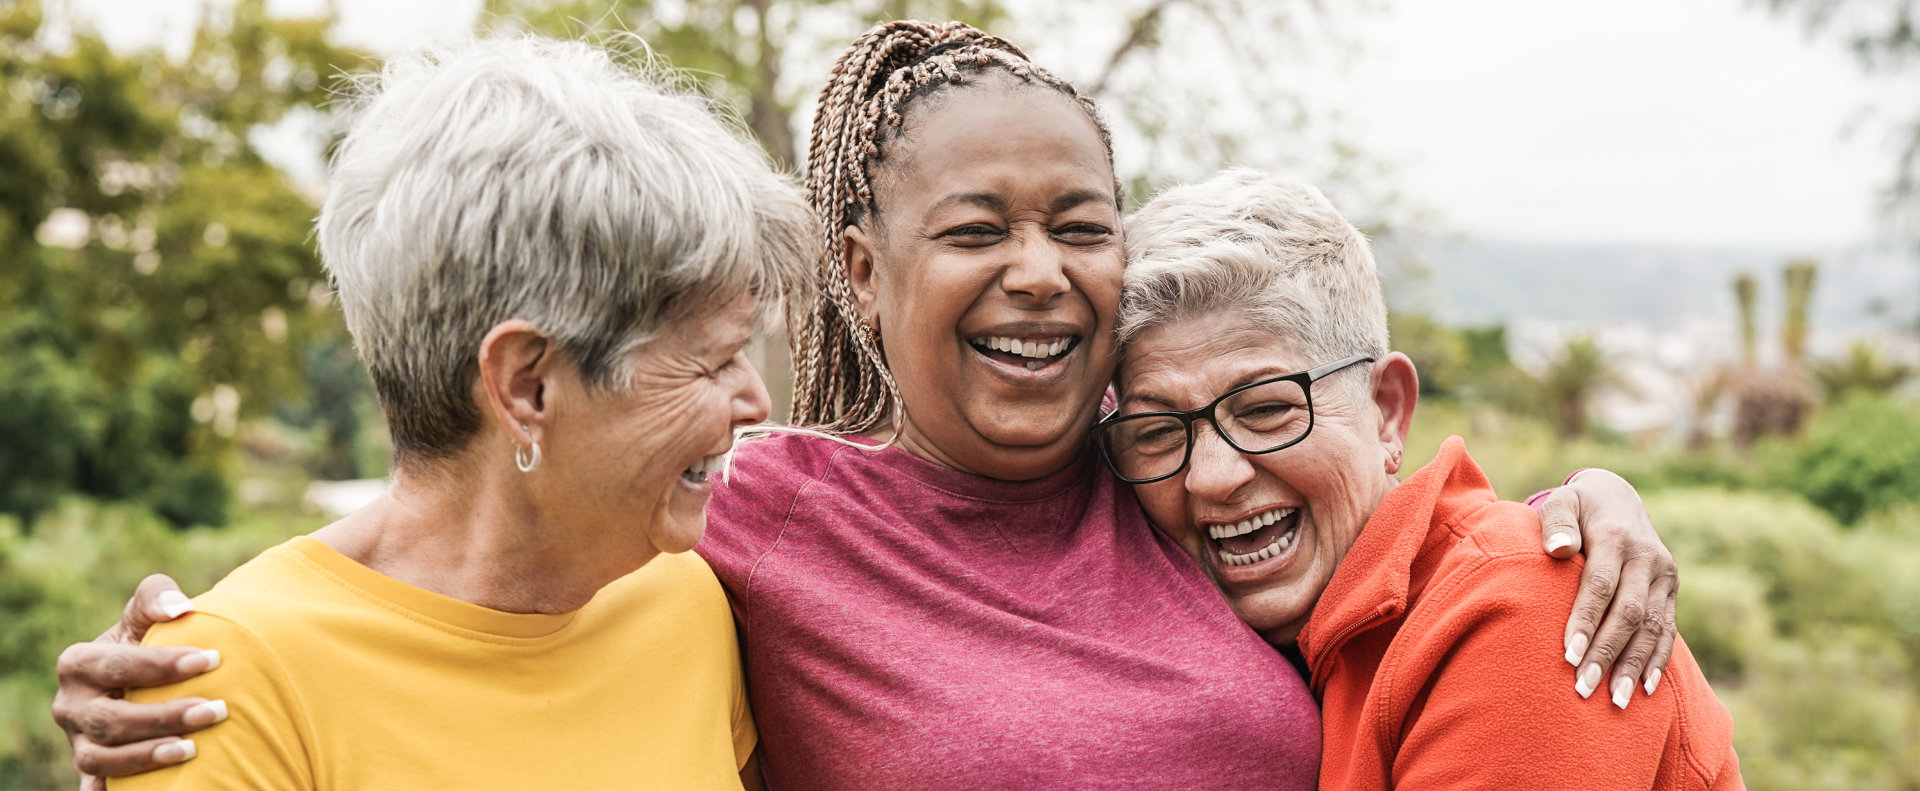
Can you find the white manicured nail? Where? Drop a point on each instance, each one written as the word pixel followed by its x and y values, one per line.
pixel 1576 648
pixel 175 752
pixel 205 714
pixel 198 662
pixel 1653 679
pixel 174 604
pixel 1589 681
pixel 1622 691
pixel 1558 541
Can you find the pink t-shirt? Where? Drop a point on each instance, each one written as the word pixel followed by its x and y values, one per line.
pixel 909 626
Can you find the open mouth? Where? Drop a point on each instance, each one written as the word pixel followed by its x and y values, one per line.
pixel 698 471
pixel 1255 538
pixel 1030 353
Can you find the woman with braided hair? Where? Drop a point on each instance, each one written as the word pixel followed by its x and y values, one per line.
pixel 941 587
pixel 936 582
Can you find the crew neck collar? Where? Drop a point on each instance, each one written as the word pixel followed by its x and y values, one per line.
pixel 452 615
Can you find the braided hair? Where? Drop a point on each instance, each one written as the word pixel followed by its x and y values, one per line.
pixel 841 381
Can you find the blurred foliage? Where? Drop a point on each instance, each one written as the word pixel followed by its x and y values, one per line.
pixel 741 48
pixel 1862 456
pixel 67 580
pixel 1809 633
pixel 159 286
pixel 1863 370
pixel 164 317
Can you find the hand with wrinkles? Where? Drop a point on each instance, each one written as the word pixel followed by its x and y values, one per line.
pixel 112 737
pixel 1627 590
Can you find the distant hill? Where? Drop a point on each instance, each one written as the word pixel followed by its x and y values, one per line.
pixel 1478 282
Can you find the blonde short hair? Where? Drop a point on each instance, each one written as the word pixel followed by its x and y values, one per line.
pixel 1272 249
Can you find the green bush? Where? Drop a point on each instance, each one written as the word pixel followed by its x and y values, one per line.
pixel 67 581
pixel 1861 456
pixel 1809 633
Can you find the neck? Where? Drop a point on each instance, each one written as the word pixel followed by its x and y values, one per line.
pixel 477 538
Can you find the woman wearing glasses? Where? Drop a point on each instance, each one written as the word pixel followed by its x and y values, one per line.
pixel 1262 420
pixel 949 591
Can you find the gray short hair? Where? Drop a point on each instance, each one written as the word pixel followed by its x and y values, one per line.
pixel 544 180
pixel 1272 249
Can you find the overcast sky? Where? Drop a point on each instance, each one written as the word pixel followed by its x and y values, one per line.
pixel 1696 122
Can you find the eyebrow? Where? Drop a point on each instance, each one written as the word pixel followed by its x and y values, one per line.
pixel 993 202
pixel 1255 375
pixel 984 200
pixel 1077 197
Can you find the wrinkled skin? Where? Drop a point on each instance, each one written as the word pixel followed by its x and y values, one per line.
pixel 1031 247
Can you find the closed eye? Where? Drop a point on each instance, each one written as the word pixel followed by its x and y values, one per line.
pixel 974 235
pixel 1083 233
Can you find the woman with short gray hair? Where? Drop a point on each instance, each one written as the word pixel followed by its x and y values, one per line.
pixel 1262 420
pixel 550 262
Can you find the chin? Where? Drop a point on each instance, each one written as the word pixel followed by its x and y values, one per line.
pixel 1035 425
pixel 1275 615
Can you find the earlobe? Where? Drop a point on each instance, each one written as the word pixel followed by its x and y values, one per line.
pixel 1396 391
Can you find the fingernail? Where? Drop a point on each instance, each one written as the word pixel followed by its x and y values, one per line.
pixel 1588 681
pixel 1576 648
pixel 1622 691
pixel 1558 541
pixel 205 714
pixel 174 604
pixel 1653 679
pixel 198 662
pixel 175 752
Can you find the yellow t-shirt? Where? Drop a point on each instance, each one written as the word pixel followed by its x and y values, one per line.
pixel 338 677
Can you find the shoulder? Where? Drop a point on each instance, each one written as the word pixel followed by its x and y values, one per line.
pixel 269 594
pixel 680 581
pixel 1493 567
pixel 755 495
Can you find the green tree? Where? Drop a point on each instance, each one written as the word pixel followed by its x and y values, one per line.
pixel 158 282
pixel 1570 382
pixel 1884 37
pixel 1863 370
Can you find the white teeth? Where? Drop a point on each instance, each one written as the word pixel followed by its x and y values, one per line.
pixel 1249 524
pixel 699 469
pixel 1273 548
pixel 1042 348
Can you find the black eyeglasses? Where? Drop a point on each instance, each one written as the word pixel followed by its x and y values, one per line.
pixel 1262 417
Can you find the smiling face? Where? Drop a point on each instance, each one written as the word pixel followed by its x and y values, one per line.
pixel 640 457
pixel 1268 529
pixel 993 272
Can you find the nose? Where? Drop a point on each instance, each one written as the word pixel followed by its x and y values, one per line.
pixel 1215 470
pixel 1037 272
pixel 751 404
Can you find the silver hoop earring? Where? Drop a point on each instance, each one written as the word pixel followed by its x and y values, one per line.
pixel 527 462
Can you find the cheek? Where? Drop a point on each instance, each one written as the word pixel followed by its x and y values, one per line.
pixel 1100 276
pixel 1166 505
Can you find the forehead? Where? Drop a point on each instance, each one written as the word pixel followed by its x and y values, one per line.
pixel 993 137
pixel 1194 359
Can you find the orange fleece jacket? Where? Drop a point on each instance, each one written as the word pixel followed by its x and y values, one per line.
pixel 1436 654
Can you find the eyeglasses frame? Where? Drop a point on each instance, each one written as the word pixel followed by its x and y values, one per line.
pixel 1304 378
